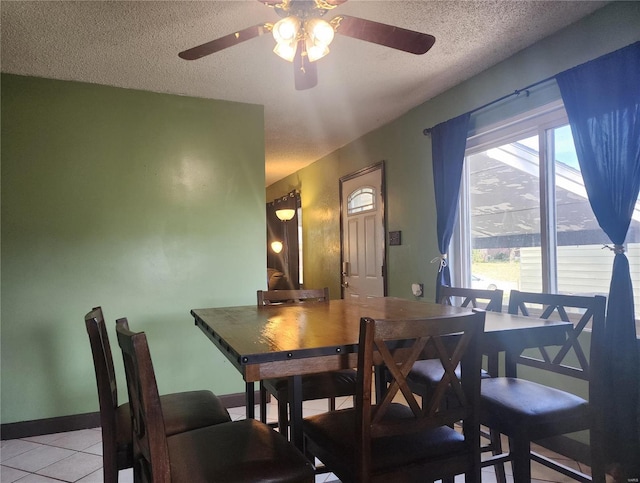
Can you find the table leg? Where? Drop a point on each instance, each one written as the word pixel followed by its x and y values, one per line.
pixel 263 403
pixel 250 401
pixel 493 363
pixel 510 362
pixel 295 411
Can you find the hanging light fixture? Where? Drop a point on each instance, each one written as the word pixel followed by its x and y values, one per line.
pixel 319 34
pixel 285 214
pixel 316 33
pixel 286 32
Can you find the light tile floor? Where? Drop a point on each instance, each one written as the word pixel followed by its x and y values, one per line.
pixel 76 456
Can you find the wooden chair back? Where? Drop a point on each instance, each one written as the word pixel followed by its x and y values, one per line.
pixel 585 310
pixel 113 459
pixel 103 364
pixel 396 345
pixel 270 297
pixel 150 451
pixel 490 300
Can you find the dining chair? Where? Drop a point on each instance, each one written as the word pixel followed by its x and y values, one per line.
pixel 278 297
pixel 238 451
pixel 486 299
pixel 183 411
pixel 324 385
pixel 527 411
pixel 396 438
pixel 427 373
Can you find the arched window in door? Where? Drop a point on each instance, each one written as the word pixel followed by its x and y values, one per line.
pixel 362 199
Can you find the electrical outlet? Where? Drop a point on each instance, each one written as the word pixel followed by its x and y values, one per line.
pixel 417 289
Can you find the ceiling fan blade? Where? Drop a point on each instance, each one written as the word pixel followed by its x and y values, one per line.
pixel 223 42
pixel 383 34
pixel 305 73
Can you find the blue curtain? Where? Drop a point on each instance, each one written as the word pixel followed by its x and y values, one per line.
pixel 602 99
pixel 448 143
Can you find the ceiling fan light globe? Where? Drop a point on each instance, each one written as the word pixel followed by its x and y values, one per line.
pixel 286 29
pixel 285 214
pixel 320 31
pixel 286 50
pixel 316 51
pixel 277 246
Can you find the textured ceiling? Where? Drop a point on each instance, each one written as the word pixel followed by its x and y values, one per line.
pixel 361 86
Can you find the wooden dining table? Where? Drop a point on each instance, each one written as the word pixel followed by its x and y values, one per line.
pixel 296 339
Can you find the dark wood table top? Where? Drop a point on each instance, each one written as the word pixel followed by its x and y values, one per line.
pixel 284 340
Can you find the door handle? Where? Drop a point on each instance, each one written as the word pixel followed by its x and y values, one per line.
pixel 345 274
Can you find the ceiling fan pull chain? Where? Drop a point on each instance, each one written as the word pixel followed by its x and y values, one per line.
pixel 303 57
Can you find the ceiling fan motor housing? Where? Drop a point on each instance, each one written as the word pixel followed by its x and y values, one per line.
pixel 304 8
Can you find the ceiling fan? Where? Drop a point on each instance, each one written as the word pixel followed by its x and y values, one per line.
pixel 303 37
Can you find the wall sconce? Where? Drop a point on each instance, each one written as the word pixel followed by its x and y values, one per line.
pixel 285 214
pixel 276 246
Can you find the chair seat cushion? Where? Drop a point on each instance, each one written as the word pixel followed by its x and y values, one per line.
pixel 335 432
pixel 182 411
pixel 318 386
pixel 240 451
pixel 430 372
pixel 513 405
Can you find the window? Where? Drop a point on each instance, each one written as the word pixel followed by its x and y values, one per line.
pixel 363 199
pixel 525 221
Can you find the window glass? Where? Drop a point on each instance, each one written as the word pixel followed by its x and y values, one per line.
pixel 504 216
pixel 583 268
pixel 525 220
pixel 360 200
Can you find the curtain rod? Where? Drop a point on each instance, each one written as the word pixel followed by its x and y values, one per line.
pixel 517 92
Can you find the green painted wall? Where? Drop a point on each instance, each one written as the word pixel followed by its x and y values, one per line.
pixel 407 152
pixel 147 204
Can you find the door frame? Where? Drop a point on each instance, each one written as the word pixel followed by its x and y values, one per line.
pixel 383 195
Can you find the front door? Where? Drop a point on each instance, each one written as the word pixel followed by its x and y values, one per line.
pixel 363 233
